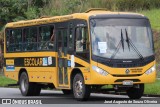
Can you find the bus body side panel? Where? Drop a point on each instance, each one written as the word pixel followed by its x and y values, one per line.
pixel 36 70
pixel 11 74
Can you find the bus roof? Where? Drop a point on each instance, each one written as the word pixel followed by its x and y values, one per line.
pixel 85 15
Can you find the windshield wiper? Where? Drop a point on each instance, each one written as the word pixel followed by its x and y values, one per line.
pixel 129 42
pixel 121 42
pixel 127 39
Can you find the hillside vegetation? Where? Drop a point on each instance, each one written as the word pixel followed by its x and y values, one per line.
pixel 154 16
pixel 15 10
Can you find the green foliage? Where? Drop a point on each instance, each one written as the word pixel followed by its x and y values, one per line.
pixel 31 13
pixel 153 88
pixel 5 81
pixel 154 17
pixel 14 10
pixel 10 9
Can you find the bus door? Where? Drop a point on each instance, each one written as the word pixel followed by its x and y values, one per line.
pixel 62 58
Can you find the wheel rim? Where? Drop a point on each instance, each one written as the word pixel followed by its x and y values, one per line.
pixel 78 88
pixel 24 84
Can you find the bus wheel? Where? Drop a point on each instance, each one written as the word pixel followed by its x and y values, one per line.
pixel 66 92
pixel 28 88
pixel 136 93
pixel 80 90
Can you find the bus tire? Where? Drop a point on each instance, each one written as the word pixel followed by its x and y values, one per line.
pixel 135 93
pixel 80 90
pixel 66 92
pixel 28 88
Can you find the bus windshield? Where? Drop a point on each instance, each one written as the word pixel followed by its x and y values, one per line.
pixel 121 38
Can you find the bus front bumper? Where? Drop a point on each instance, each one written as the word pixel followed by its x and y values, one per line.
pixel 98 79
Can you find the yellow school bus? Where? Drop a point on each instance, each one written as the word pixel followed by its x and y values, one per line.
pixel 80 53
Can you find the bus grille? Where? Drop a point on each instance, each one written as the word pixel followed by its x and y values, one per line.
pixel 121 65
pixel 131 75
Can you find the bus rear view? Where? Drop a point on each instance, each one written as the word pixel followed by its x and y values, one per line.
pixel 122 52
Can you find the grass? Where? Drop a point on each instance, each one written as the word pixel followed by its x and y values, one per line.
pixel 153 88
pixel 158 74
pixel 154 17
pixel 5 81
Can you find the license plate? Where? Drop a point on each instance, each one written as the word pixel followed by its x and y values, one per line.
pixel 127 82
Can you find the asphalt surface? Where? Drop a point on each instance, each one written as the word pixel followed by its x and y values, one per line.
pixel 57 97
pixel 15 93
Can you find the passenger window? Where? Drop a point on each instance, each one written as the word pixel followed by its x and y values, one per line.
pixel 8 40
pixel 14 38
pixel 30 39
pixel 46 38
pixel 17 33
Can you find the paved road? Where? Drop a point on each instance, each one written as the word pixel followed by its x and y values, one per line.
pixel 15 93
pixel 59 98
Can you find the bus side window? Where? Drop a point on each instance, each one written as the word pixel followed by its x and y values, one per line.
pixel 8 40
pixel 79 46
pixel 11 42
pixel 46 37
pixel 25 40
pixel 33 35
pixel 30 39
pixel 18 39
pixel 82 42
pixel 70 38
pixel 15 40
pixel 81 39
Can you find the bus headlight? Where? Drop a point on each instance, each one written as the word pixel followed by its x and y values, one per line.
pixel 99 70
pixel 152 69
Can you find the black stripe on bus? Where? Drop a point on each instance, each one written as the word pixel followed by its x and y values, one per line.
pixel 21 62
pixel 30 62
